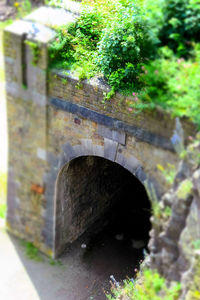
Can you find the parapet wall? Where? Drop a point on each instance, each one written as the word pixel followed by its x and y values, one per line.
pixel 155 127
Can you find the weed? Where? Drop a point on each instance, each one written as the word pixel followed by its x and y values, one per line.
pixel 169 172
pixel 79 85
pixel 147 286
pixel 64 81
pixel 24 86
pixel 35 50
pixel 32 252
pixel 55 262
pixel 159 212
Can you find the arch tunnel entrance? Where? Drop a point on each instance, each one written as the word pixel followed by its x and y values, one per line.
pixel 104 206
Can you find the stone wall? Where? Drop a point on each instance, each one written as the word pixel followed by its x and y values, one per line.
pixel 27 130
pixel 54 120
pixel 175 239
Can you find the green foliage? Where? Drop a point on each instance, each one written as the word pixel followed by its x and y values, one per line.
pixel 74 46
pixel 173 84
pixel 3 186
pixel 23 8
pixel 26 6
pixel 184 189
pixel 3 190
pixel 88 28
pixel 118 39
pixel 181 25
pixel 5 23
pixel 60 50
pixel 196 244
pixel 2 210
pixel 32 252
pixel 54 3
pixel 125 44
pixel 24 86
pixel 64 81
pixel 160 212
pixel 169 172
pixel 55 262
pixel 35 50
pixel 148 285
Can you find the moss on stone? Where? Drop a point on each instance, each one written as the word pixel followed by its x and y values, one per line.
pixel 184 189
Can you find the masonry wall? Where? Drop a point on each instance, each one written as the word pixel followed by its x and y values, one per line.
pixel 79 123
pixel 26 111
pixel 54 120
pixel 146 135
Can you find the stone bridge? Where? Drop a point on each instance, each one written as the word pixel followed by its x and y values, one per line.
pixel 69 152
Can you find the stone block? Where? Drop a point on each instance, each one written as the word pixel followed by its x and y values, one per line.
pixel 110 149
pixel 119 137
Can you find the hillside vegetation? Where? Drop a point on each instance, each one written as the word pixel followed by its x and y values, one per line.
pixel 147 49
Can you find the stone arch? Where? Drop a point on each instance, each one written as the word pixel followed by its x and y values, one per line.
pixel 109 150
pixel 88 149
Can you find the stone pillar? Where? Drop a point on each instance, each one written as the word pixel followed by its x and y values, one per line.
pixel 26 62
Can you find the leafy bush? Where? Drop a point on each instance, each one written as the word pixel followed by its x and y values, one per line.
pixel 118 40
pixel 126 43
pixel 74 45
pixel 88 28
pixel 173 84
pixel 181 25
pixel 60 50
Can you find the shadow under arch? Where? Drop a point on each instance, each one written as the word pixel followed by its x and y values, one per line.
pixel 92 191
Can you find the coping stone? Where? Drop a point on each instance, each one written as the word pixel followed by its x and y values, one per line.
pixel 21 27
pixel 51 17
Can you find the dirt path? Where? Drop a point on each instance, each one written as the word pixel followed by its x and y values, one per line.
pixel 82 276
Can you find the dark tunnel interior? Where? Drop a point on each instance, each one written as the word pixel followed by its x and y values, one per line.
pixel 106 213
